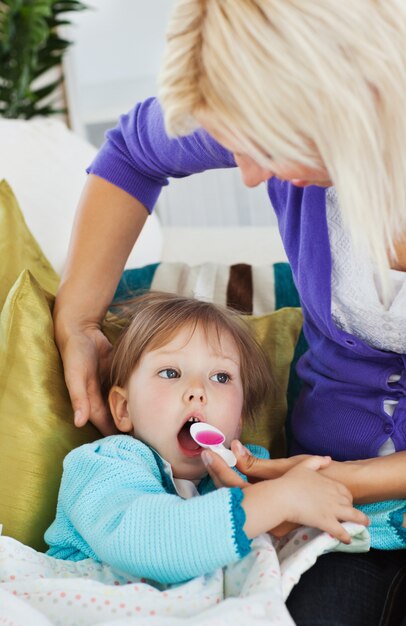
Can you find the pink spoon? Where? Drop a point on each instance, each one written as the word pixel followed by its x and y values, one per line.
pixel 210 437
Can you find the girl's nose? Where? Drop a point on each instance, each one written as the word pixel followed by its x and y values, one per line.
pixel 195 393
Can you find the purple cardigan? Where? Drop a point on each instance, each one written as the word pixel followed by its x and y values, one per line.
pixel 340 410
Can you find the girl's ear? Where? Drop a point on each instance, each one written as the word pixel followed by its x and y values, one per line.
pixel 119 409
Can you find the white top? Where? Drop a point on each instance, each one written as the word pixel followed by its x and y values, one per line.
pixel 357 305
pixel 356 298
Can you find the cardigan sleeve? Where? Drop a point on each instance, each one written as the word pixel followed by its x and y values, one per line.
pixel 386 527
pixel 139 157
pixel 113 505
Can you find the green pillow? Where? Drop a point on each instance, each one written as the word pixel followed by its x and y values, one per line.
pixel 36 421
pixel 18 248
pixel 277 333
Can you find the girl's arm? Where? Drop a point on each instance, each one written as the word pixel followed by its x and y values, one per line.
pixel 112 506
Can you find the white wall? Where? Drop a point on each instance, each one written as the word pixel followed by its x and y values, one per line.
pixel 115 58
pixel 120 39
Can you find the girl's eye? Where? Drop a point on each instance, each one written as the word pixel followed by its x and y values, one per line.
pixel 221 377
pixel 168 373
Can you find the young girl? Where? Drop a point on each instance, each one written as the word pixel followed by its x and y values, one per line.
pixel 128 500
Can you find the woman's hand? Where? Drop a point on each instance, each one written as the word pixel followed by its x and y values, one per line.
pixel 86 356
pixel 256 470
pixel 302 496
pixel 252 467
pixel 369 480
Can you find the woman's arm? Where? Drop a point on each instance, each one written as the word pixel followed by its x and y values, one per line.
pixel 369 480
pixel 107 224
pixel 125 180
pixel 372 480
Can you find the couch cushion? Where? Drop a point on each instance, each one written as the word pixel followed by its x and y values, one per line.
pixel 45 163
pixel 36 420
pixel 19 249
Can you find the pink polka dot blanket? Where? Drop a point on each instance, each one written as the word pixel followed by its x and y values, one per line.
pixel 39 590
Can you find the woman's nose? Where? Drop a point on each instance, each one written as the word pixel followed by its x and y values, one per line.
pixel 252 174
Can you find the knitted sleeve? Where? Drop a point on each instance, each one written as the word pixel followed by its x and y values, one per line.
pixel 387 528
pixel 138 156
pixel 113 507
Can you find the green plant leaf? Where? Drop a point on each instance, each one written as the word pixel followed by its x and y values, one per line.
pixel 30 45
pixel 43 92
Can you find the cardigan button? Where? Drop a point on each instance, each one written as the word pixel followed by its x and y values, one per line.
pixel 394 378
pixel 388 428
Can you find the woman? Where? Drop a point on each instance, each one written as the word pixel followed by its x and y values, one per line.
pixel 308 95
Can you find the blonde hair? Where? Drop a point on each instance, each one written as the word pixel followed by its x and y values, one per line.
pixel 157 317
pixel 307 81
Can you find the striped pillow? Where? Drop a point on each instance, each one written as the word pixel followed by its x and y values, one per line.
pixel 254 290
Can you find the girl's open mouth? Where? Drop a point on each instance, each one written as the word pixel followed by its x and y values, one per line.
pixel 186 442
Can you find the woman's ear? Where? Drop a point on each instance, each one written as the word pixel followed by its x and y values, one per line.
pixel 119 409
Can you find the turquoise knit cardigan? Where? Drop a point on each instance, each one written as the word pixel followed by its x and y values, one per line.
pixel 118 505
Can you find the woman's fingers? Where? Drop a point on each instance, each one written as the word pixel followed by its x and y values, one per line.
pixel 262 469
pixel 253 467
pixel 87 401
pixel 76 378
pixel 221 474
pixel 83 357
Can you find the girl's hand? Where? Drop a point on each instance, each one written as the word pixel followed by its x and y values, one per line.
pixel 308 497
pixel 86 358
pixel 301 496
pixel 223 476
pixel 313 500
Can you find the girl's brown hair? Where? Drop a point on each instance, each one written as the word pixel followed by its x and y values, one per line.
pixel 157 317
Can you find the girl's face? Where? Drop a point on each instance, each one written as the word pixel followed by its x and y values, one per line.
pixel 194 377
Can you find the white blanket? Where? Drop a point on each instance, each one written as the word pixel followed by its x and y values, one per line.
pixel 38 590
